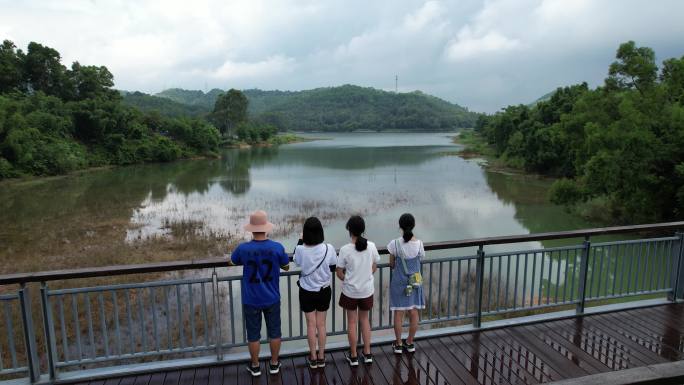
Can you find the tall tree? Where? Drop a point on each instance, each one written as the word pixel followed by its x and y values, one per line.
pixel 43 69
pixel 11 72
pixel 635 67
pixel 230 110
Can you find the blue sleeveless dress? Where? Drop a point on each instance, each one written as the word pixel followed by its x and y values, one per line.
pixel 398 299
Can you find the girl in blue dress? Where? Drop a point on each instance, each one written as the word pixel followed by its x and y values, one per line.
pixel 406 253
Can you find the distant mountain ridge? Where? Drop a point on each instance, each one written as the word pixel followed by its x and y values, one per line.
pixel 342 108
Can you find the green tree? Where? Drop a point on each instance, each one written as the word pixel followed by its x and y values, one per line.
pixel 230 110
pixel 11 71
pixel 635 68
pixel 43 70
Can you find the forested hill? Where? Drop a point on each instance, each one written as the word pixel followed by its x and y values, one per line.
pixel 343 108
pixel 618 147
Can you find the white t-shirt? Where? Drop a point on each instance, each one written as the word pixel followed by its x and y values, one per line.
pixel 308 257
pixel 358 278
pixel 412 249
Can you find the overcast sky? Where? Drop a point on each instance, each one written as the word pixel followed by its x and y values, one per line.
pixel 481 54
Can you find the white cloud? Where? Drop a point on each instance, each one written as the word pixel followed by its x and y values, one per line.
pixel 428 13
pixel 271 66
pixel 482 54
pixel 467 45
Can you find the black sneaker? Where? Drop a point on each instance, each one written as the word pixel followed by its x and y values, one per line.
pixel 255 371
pixel 353 361
pixel 367 358
pixel 321 363
pixel 313 364
pixel 274 368
pixel 397 349
pixel 411 348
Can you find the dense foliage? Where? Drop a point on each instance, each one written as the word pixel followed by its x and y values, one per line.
pixel 619 147
pixel 164 106
pixel 344 108
pixel 54 120
pixel 230 110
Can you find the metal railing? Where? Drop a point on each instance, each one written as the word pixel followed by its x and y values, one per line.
pixel 133 323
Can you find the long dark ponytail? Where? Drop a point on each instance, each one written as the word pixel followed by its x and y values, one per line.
pixel 406 224
pixel 356 227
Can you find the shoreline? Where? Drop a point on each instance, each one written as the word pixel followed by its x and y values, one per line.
pixel 474 148
pixel 29 179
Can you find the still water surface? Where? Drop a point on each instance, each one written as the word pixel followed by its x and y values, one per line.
pixel 379 176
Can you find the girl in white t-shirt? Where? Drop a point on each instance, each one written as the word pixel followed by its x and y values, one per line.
pixel 355 267
pixel 317 261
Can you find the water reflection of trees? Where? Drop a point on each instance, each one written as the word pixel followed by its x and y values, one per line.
pixel 357 158
pixel 237 164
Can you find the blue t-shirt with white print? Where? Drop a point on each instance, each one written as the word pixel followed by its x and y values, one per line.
pixel 261 261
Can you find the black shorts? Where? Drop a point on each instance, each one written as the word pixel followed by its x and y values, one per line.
pixel 315 300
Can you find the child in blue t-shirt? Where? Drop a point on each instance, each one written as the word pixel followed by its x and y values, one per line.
pixel 262 260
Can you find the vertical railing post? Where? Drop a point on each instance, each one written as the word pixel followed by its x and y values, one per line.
pixel 217 315
pixel 49 330
pixel 479 283
pixel 678 273
pixel 584 266
pixel 29 334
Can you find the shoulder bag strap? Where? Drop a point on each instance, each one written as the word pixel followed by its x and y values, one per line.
pixel 325 256
pixel 400 255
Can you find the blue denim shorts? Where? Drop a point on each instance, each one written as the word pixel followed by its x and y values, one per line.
pixel 252 316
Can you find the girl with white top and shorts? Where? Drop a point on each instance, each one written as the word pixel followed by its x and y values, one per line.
pixel 317 261
pixel 406 253
pixel 355 267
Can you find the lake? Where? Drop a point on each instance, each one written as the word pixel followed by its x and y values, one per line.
pixel 196 208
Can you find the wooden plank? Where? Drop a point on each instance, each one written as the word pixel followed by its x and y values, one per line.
pixel 571 352
pixel 404 366
pixel 660 331
pixel 452 373
pixel 529 361
pixel 201 376
pixel 172 378
pixel 560 364
pixel 638 335
pixel 230 374
pixel 632 350
pixel 421 360
pixel 669 318
pixel 129 381
pixel 449 350
pixel 142 380
pixel 511 358
pixel 113 381
pixel 157 379
pixel 287 372
pixel 606 347
pixel 571 339
pixel 330 371
pixel 611 348
pixel 187 377
pixel 302 370
pixel 481 367
pixel 345 371
pixel 215 375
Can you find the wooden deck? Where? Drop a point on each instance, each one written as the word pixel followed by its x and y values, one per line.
pixel 534 353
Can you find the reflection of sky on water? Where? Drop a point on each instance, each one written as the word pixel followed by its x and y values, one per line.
pixel 378 175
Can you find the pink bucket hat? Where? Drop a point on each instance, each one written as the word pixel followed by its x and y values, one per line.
pixel 258 223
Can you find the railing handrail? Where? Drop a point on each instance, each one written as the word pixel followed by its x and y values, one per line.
pixel 104 271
